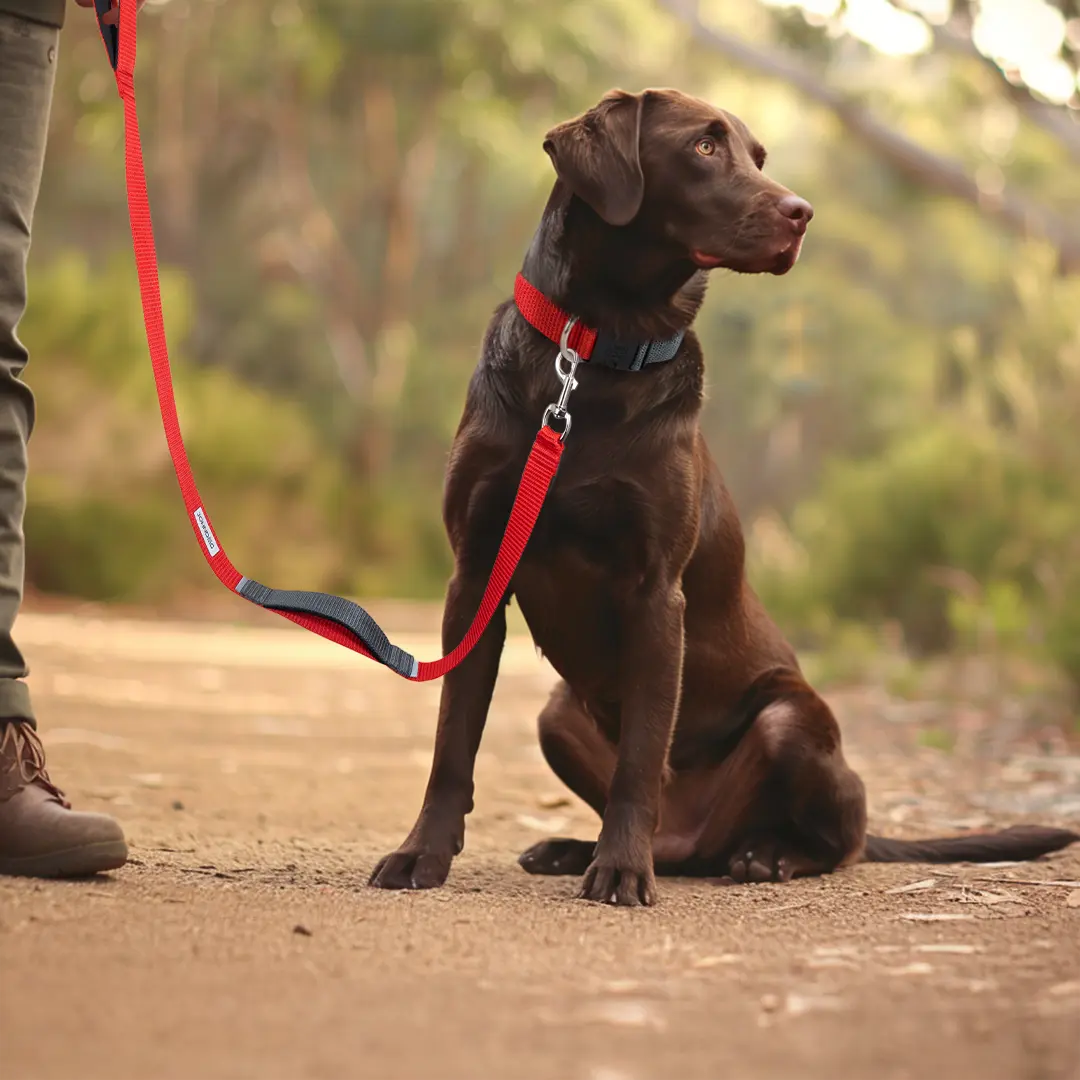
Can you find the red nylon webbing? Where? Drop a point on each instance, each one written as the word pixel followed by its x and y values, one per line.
pixel 536 479
pixel 550 319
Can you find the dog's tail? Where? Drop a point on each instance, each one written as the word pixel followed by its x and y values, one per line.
pixel 1018 844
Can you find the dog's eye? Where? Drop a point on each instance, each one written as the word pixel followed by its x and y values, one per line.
pixel 706 147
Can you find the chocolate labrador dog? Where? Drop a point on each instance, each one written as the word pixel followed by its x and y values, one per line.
pixel 682 717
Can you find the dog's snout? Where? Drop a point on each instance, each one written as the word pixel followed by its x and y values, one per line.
pixel 797 210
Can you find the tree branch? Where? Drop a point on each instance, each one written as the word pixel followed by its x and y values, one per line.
pixel 955 37
pixel 918 164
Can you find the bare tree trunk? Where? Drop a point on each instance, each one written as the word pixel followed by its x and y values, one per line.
pixel 401 258
pixel 176 164
pixel 469 256
pixel 317 252
pixel 401 180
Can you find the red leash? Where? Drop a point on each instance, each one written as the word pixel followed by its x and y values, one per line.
pixel 331 617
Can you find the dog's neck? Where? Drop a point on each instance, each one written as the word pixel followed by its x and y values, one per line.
pixel 613 279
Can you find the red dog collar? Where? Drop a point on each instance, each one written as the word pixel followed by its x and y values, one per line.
pixel 592 345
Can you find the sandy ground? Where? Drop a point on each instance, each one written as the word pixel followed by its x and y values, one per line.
pixel 260 773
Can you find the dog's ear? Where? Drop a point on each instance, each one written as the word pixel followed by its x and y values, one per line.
pixel 597 156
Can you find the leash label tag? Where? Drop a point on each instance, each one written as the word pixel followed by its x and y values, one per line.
pixel 206 532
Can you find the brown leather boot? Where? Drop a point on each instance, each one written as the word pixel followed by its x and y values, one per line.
pixel 40 835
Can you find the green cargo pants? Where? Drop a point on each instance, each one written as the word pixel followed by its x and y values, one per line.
pixel 27 72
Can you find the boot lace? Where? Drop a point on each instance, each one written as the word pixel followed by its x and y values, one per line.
pixel 22 762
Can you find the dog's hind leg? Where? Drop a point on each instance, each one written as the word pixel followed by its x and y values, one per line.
pixel 790 806
pixel 583 759
pixel 782 803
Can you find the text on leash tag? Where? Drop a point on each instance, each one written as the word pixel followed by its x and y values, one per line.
pixel 206 532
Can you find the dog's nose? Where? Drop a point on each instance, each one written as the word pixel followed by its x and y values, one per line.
pixel 799 211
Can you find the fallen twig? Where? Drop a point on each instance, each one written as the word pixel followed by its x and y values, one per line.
pixel 1028 881
pixel 782 907
pixel 915 886
pixel 934 916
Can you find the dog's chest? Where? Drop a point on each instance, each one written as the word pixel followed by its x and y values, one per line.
pixel 596 522
pixel 592 547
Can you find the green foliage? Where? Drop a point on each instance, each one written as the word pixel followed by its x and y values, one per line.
pixel 96 547
pixel 852 654
pixel 104 516
pixel 945 532
pixel 934 738
pixel 999 615
pixel 885 534
pixel 1063 631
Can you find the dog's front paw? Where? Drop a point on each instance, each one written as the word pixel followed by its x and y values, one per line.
pixel 625 882
pixel 407 868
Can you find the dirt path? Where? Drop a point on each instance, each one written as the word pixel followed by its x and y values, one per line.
pixel 260 773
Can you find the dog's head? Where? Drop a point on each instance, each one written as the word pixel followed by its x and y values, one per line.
pixel 682 172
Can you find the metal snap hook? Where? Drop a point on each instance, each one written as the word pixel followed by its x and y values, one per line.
pixel 553 412
pixel 557 410
pixel 568 354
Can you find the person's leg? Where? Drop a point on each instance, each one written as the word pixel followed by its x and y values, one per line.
pixel 27 67
pixel 39 833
